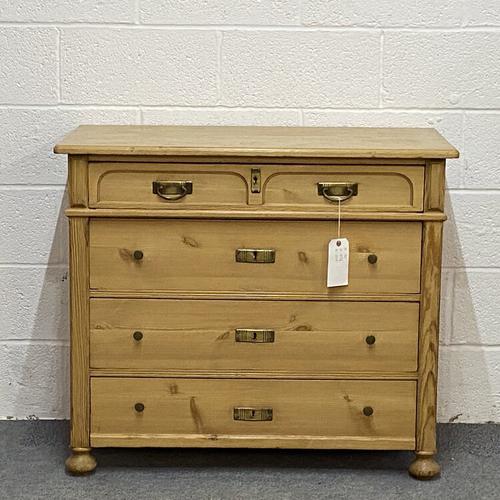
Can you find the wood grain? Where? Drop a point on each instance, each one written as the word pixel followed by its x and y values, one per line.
pixel 429 338
pixel 251 213
pixel 348 142
pixel 255 374
pixel 253 441
pixel 200 256
pixel 303 410
pixel 78 181
pixel 79 326
pixel 246 160
pixel 200 335
pixel 434 185
pixel 155 294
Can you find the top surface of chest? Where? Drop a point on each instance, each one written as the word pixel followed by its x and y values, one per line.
pixel 292 142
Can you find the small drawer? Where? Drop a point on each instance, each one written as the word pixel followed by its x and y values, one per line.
pixel 159 185
pixel 251 256
pixel 238 335
pixel 170 411
pixel 368 187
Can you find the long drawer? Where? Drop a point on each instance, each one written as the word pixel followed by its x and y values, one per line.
pixel 251 256
pixel 286 336
pixel 218 412
pixel 282 187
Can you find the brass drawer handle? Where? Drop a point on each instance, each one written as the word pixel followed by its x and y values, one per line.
pixel 254 335
pixel 337 191
pixel 253 414
pixel 255 255
pixel 172 190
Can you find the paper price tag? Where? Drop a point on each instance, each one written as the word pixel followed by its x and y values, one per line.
pixel 338 262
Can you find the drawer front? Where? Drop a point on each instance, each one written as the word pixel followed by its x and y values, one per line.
pixel 377 188
pixel 190 255
pixel 129 185
pixel 277 336
pixel 364 411
pixel 281 187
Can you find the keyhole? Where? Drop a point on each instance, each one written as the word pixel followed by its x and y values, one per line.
pixel 255 179
pixel 254 335
pixel 253 413
pixel 254 255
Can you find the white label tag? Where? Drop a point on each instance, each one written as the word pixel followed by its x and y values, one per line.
pixel 338 262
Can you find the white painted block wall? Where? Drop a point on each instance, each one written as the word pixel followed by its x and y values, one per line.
pixel 275 62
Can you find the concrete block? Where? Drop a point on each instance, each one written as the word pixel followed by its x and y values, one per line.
pixel 382 13
pixel 300 68
pixel 476 311
pixel 28 72
pixel 34 303
pixel 32 226
pixel 472 232
pixel 203 12
pixel 441 69
pixel 469 385
pixel 34 380
pixel 138 66
pixel 482 150
pixel 221 116
pixel 65 11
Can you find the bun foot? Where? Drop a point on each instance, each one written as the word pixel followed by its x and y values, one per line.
pixel 80 462
pixel 424 467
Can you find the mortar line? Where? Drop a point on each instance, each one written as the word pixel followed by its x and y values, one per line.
pixel 473 190
pixel 463 171
pixel 475 269
pixel 357 110
pixel 42 341
pixel 137 13
pixel 58 66
pixel 28 265
pixel 381 68
pixel 472 347
pixel 251 27
pixel 32 187
pixel 218 76
pixel 452 303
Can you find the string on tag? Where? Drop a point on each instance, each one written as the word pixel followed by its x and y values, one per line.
pixel 338 222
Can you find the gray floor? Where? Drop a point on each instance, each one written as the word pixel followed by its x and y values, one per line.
pixel 32 455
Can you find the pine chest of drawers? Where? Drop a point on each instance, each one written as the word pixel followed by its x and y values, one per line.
pixel 200 312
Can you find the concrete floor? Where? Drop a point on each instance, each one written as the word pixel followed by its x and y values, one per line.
pixel 32 455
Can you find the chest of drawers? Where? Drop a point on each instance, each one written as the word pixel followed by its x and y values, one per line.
pixel 200 312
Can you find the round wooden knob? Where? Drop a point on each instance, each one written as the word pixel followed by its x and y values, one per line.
pixel 139 407
pixel 372 258
pixel 138 336
pixel 370 340
pixel 368 411
pixel 138 255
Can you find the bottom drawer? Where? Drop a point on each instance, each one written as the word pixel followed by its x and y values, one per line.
pixel 366 414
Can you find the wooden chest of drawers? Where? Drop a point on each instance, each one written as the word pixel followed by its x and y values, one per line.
pixel 200 312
